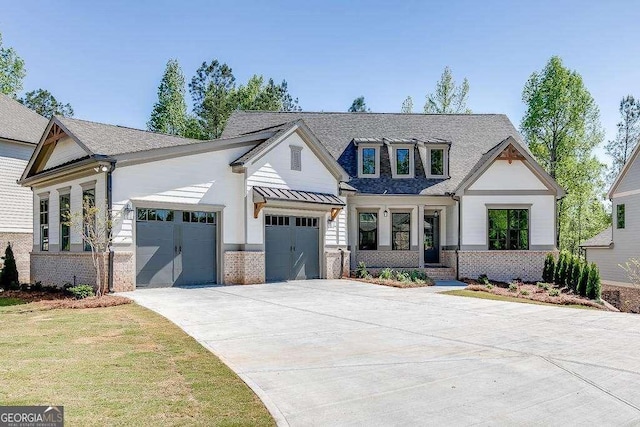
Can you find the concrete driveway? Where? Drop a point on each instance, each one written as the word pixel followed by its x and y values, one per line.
pixel 331 352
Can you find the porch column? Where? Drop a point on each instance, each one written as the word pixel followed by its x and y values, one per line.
pixel 421 234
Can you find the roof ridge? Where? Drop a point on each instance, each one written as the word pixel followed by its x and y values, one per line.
pixel 368 113
pixel 130 128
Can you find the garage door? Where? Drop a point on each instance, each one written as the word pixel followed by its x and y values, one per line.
pixel 175 248
pixel 292 247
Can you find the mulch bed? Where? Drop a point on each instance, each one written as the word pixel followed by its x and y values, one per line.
pixel 48 300
pixel 534 293
pixel 394 283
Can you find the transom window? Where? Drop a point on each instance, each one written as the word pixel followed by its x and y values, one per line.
pixel 368 231
pixel 200 217
pixel 303 221
pixel 403 161
pixel 271 220
pixel 437 162
pixel 65 232
pixel 155 215
pixel 620 217
pixel 44 224
pixel 368 161
pixel 508 229
pixel 401 231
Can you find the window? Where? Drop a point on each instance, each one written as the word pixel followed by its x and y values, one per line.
pixel 44 224
pixel 368 161
pixel 65 232
pixel 437 162
pixel 200 217
pixel 368 231
pixel 400 231
pixel 620 218
pixel 272 220
pixel 303 221
pixel 155 215
pixel 88 201
pixel 508 229
pixel 403 161
pixel 296 158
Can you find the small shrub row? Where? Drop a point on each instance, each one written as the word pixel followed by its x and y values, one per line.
pixel 574 273
pixel 415 276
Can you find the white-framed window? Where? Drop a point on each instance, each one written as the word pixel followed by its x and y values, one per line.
pixel 44 224
pixel 402 161
pixel 296 158
pixel 369 161
pixel 437 162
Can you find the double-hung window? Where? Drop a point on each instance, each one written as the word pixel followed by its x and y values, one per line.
pixel 65 229
pixel 508 229
pixel 44 224
pixel 367 231
pixel 400 231
pixel 88 202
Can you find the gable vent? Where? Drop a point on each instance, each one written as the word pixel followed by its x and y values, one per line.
pixel 296 158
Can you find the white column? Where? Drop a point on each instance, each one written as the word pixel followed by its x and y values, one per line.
pixel 421 234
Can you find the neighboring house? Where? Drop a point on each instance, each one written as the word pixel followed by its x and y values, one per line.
pixel 620 242
pixel 20 130
pixel 294 196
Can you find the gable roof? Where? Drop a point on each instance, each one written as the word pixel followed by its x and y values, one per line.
pixel 20 123
pixel 602 240
pixel 471 136
pixel 632 158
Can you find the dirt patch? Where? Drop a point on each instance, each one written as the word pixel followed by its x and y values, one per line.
pixel 395 283
pixel 534 292
pixel 32 296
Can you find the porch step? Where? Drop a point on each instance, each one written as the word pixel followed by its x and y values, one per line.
pixel 440 273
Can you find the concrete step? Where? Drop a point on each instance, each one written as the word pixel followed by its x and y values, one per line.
pixel 440 273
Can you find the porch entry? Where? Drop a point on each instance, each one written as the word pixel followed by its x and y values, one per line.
pixel 431 238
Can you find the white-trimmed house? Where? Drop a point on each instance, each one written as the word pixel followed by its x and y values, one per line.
pixel 20 130
pixel 294 196
pixel 620 242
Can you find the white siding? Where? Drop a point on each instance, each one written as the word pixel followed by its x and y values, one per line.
pixel 541 220
pixel 15 200
pixel 54 206
pixel 65 150
pixel 201 179
pixel 274 170
pixel 631 180
pixel 501 175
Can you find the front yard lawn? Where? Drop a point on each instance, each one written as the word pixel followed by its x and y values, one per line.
pixel 122 365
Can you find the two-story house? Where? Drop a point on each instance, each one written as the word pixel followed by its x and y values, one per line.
pixel 296 195
pixel 20 130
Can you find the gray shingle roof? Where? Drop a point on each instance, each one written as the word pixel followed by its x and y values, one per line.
pixel 602 239
pixel 111 140
pixel 471 136
pixel 20 123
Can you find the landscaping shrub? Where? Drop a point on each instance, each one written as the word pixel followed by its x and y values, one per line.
pixel 361 271
pixel 9 278
pixel 524 293
pixel 560 268
pixel 483 279
pixel 593 283
pixel 584 279
pixel 574 274
pixel 402 277
pixel 81 291
pixel 554 292
pixel 513 287
pixel 489 286
pixel 549 268
pixel 418 275
pixel 386 274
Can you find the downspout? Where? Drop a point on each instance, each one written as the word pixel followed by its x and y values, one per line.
pixel 459 205
pixel 109 207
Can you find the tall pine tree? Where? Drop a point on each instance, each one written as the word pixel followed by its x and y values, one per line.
pixel 448 98
pixel 627 137
pixel 169 114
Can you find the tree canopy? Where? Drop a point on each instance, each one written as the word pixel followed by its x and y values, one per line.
pixel 12 71
pixel 407 105
pixel 359 106
pixel 448 97
pixel 627 137
pixel 44 103
pixel 169 114
pixel 562 127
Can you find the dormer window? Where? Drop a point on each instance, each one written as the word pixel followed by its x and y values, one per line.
pixel 369 161
pixel 436 163
pixel 402 163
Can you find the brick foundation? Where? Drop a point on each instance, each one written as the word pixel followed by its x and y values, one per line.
pixel 503 266
pixel 389 258
pixel 123 271
pixel 448 258
pixel 244 267
pixel 332 264
pixel 623 297
pixel 22 244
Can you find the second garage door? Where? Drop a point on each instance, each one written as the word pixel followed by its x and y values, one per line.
pixel 292 248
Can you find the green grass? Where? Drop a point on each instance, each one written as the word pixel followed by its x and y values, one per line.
pixel 487 295
pixel 8 301
pixel 121 365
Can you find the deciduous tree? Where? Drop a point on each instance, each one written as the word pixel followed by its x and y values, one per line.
pixel 211 89
pixel 12 71
pixel 169 114
pixel 44 103
pixel 627 137
pixel 407 105
pixel 359 106
pixel 448 97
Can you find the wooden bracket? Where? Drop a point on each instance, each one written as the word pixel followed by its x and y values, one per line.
pixel 334 213
pixel 55 134
pixel 257 207
pixel 510 153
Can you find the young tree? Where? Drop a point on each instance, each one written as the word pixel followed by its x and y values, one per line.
pixel 211 90
pixel 12 71
pixel 549 268
pixel 627 137
pixel 44 103
pixel 562 127
pixel 448 97
pixel 632 267
pixel 359 106
pixel 9 277
pixel 585 270
pixel 169 114
pixel 593 284
pixel 407 105
pixel 94 224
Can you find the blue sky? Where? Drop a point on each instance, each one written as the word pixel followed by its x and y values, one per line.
pixel 106 58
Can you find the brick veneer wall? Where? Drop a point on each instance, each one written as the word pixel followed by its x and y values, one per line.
pixel 389 258
pixel 22 244
pixel 623 297
pixel 449 259
pixel 503 266
pixel 59 268
pixel 244 267
pixel 123 271
pixel 332 264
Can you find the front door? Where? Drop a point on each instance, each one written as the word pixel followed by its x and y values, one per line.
pixel 431 239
